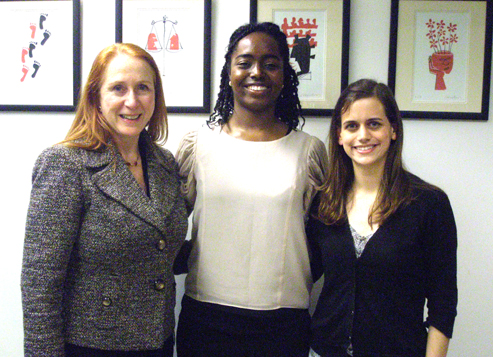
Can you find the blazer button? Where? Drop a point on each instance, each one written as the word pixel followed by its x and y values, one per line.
pixel 161 245
pixel 159 285
pixel 106 301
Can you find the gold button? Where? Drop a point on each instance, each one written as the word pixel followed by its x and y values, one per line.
pixel 159 284
pixel 106 301
pixel 161 244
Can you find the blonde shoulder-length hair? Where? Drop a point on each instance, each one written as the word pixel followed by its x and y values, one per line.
pixel 89 130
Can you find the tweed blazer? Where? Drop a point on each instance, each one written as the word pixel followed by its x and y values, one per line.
pixel 98 252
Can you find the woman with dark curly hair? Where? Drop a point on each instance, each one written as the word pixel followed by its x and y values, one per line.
pixel 249 177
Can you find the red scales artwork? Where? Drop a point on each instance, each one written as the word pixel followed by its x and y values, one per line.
pixel 441 38
pixel 301 39
pixel 154 43
pixel 162 37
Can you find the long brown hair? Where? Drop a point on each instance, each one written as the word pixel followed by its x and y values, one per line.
pixel 395 187
pixel 89 130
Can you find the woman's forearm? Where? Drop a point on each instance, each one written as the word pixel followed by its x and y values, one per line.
pixel 437 344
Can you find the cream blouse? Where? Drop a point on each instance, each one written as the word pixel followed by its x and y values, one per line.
pixel 250 199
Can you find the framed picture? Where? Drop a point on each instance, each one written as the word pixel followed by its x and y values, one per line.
pixel 177 33
pixel 40 62
pixel 440 58
pixel 318 37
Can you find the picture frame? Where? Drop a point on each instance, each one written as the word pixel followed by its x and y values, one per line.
pixel 318 31
pixel 440 58
pixel 40 63
pixel 167 29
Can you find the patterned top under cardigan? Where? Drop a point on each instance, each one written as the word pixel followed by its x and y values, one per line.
pixel 98 254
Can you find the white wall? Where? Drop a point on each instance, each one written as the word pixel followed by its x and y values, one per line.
pixel 455 155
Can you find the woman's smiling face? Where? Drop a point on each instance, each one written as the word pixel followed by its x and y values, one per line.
pixel 127 96
pixel 366 133
pixel 256 73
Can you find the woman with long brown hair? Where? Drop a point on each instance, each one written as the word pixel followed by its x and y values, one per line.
pixel 384 240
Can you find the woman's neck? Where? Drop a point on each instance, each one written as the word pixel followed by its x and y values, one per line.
pixel 250 126
pixel 129 149
pixel 366 181
pixel 367 178
pixel 362 199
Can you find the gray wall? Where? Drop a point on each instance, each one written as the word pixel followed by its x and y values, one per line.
pixel 456 156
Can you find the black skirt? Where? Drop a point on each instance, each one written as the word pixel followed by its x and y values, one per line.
pixel 210 330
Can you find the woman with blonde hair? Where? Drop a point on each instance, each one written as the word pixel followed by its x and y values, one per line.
pixel 105 222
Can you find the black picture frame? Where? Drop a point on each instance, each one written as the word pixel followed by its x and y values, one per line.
pixel 41 89
pixel 205 63
pixel 479 74
pixel 314 108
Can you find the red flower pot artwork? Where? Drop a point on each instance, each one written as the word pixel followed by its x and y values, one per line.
pixel 441 63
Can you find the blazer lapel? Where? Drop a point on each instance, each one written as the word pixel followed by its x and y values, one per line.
pixel 163 182
pixel 114 179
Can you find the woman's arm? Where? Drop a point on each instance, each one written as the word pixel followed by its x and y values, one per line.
pixel 185 157
pixel 441 273
pixel 318 163
pixel 315 251
pixel 180 266
pixel 437 344
pixel 52 226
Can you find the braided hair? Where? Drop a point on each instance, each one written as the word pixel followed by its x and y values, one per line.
pixel 288 107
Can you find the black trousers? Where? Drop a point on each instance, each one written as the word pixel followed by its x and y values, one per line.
pixel 206 330
pixel 78 351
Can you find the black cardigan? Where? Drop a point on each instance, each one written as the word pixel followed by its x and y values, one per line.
pixel 377 301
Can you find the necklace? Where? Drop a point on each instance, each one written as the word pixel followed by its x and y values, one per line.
pixel 135 163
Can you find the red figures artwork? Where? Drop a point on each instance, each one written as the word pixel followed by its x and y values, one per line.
pixel 301 39
pixel 441 38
